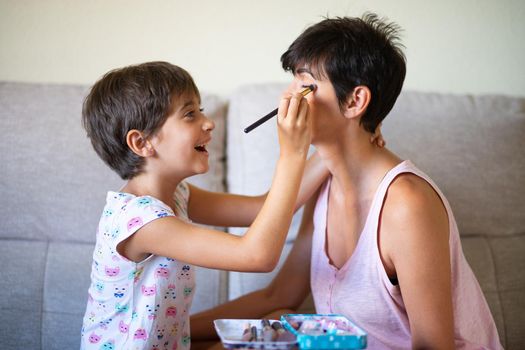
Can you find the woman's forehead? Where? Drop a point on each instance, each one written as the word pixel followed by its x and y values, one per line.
pixel 314 69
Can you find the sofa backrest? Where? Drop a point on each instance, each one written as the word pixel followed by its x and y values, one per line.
pixel 473 147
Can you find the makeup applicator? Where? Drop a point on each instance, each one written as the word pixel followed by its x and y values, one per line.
pixel 306 91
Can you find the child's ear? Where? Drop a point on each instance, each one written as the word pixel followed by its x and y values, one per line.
pixel 139 144
pixel 357 102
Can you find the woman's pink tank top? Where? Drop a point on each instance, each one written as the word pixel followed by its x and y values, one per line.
pixel 361 290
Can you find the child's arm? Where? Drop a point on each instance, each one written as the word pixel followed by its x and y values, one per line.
pixel 232 210
pixel 259 249
pixel 286 291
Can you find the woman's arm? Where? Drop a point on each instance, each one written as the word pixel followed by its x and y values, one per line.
pixel 286 291
pixel 414 245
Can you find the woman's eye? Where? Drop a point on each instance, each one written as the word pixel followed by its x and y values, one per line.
pixel 201 109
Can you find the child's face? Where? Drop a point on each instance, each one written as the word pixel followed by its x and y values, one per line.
pixel 323 105
pixel 181 143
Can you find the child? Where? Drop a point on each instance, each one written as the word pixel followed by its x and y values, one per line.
pixel 146 123
pixel 380 245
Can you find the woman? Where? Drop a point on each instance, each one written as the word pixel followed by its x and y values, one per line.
pixel 381 245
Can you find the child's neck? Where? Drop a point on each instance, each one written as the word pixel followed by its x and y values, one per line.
pixel 157 187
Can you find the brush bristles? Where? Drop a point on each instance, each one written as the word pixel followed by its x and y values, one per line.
pixel 308 89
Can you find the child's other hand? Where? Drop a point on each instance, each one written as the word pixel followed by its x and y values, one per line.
pixel 294 125
pixel 377 138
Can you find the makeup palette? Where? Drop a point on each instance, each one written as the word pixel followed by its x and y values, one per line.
pixel 328 331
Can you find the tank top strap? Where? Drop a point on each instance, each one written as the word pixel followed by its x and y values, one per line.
pixel 405 166
pixel 379 197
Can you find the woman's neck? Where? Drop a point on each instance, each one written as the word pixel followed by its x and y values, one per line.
pixel 355 163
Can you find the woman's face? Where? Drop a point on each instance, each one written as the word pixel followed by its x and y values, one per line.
pixel 323 105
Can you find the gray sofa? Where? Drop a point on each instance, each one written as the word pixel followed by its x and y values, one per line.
pixel 54 187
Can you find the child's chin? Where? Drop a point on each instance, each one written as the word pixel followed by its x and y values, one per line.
pixel 203 170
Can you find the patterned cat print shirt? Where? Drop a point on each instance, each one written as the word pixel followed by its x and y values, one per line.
pixel 133 305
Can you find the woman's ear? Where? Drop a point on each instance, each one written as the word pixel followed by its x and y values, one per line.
pixel 139 144
pixel 357 102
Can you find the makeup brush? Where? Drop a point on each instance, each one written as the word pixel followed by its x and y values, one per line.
pixel 268 334
pixel 306 91
pixel 282 334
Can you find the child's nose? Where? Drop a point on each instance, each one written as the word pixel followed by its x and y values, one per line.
pixel 208 125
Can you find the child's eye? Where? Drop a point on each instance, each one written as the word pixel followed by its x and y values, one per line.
pixel 191 114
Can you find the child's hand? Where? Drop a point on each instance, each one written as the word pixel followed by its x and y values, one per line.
pixel 294 125
pixel 377 138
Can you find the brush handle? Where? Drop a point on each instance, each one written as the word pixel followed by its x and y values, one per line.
pixel 261 121
pixel 306 91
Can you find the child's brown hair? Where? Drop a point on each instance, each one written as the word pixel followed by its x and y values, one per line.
pixel 134 97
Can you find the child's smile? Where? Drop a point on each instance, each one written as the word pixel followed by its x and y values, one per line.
pixel 202 147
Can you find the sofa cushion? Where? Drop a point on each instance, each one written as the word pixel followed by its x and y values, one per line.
pixel 21 292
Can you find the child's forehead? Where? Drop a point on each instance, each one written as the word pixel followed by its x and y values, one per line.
pixel 186 98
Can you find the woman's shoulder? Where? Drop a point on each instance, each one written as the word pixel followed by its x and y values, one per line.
pixel 413 211
pixel 410 197
pixel 414 222
pixel 408 187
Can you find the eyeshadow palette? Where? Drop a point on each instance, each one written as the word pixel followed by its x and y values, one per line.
pixel 330 331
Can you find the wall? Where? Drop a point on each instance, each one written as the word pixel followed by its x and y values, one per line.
pixel 453 46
